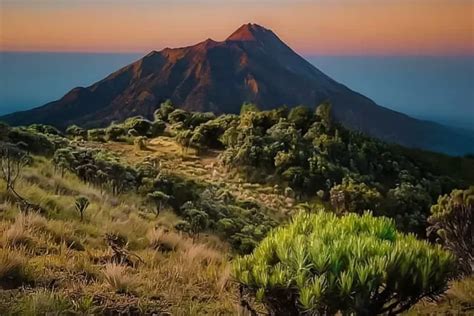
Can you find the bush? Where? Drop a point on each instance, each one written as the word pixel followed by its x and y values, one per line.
pixel 355 264
pixel 452 219
pixel 76 131
pixel 97 135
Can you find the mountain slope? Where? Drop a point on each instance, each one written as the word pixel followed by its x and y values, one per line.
pixel 252 64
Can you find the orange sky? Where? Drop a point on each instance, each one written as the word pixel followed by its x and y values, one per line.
pixel 421 27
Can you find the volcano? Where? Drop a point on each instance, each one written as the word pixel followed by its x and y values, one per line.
pixel 251 65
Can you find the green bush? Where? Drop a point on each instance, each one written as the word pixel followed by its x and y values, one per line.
pixel 76 131
pixel 452 220
pixel 354 264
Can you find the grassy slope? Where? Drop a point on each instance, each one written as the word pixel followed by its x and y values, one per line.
pixel 65 262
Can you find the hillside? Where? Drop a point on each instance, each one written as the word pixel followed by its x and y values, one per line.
pixel 170 204
pixel 251 65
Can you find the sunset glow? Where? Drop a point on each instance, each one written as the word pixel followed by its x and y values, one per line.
pixel 380 27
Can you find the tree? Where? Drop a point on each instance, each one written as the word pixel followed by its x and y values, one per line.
pixel 198 219
pixel 322 264
pixel 82 203
pixel 12 162
pixel 159 198
pixel 452 220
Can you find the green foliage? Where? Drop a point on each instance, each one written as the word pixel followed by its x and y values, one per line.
pixel 354 197
pixel 81 204
pixel 97 167
pixel 157 128
pixel 198 220
pixel 452 220
pixel 159 198
pixel 32 141
pixel 76 131
pixel 139 124
pixel 178 116
pixel 97 135
pixel 165 109
pixel 114 132
pixel 354 264
pixel 301 116
pixel 248 107
pixel 409 205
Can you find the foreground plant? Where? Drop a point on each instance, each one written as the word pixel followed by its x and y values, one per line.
pixel 354 264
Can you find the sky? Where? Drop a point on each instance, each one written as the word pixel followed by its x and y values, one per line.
pixel 318 27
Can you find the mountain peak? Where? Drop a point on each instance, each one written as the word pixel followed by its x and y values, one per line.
pixel 250 32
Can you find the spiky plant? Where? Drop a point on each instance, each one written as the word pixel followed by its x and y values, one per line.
pixel 82 203
pixel 322 264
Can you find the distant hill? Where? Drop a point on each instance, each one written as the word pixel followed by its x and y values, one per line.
pixel 253 65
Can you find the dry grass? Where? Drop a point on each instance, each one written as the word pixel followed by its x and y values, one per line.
pixel 12 268
pixel 185 280
pixel 119 279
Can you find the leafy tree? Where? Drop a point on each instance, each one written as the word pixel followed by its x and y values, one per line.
pixel 81 204
pixel 322 264
pixel 159 198
pixel 452 220
pixel 198 219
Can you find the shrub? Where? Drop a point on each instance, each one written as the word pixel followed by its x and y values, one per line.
pixel 157 128
pixel 97 135
pixel 354 197
pixel 114 132
pixel 76 131
pixel 355 264
pixel 452 219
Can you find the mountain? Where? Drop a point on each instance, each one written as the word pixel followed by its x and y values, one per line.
pixel 252 64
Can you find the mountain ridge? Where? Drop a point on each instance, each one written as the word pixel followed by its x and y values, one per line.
pixel 251 65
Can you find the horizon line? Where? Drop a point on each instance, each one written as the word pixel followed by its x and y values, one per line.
pixel 309 54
